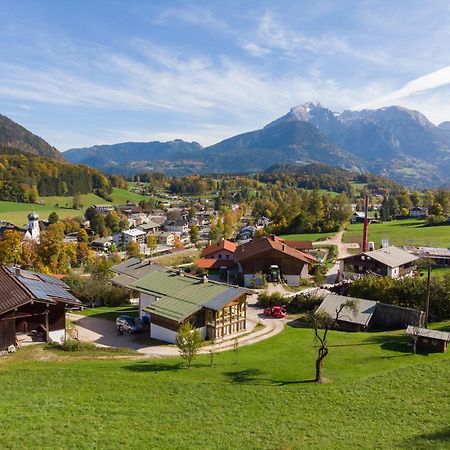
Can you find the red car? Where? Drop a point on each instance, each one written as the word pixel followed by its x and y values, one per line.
pixel 276 311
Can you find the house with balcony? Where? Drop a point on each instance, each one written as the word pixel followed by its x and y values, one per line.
pixel 171 299
pixel 385 262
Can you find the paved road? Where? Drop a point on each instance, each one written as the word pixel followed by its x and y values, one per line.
pixel 103 332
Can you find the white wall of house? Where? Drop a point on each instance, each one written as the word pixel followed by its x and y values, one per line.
pixel 202 331
pixel 144 301
pixel 57 336
pixel 393 272
pixel 163 334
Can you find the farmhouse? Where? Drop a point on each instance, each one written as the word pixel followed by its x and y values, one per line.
pixel 32 303
pixel 215 256
pixel 274 259
pixel 358 217
pixel 418 211
pixel 103 208
pixel 369 314
pixel 132 270
pixel 173 298
pixel 429 340
pixel 385 262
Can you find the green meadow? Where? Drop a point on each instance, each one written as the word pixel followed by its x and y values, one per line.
pixel 401 232
pixel 378 395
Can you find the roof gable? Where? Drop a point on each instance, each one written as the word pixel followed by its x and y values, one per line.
pixel 218 246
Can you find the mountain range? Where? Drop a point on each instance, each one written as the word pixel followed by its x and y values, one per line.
pixel 394 142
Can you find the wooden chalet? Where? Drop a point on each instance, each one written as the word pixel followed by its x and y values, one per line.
pixel 268 254
pixel 385 262
pixel 33 304
pixel 172 298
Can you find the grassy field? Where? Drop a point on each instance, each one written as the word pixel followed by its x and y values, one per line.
pixel 17 212
pixel 402 232
pixel 378 396
pixel 307 236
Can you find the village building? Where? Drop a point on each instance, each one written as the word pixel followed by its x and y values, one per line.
pixel 102 244
pixel 129 209
pixel 271 257
pixel 170 299
pixel 369 314
pixel 359 217
pixel 429 340
pixel 124 238
pixel 385 262
pixel 417 212
pixel 439 256
pixel 103 208
pixel 176 226
pixel 303 246
pixel 217 256
pixel 149 227
pixel 131 270
pixel 31 232
pixel 32 305
pixel 166 238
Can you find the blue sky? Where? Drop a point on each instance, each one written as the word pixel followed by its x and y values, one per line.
pixel 86 72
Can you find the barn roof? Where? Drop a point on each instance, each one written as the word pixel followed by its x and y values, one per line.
pixel 221 245
pixel 18 287
pixel 390 256
pixel 178 297
pixel 132 269
pixel 362 316
pixel 425 332
pixel 261 245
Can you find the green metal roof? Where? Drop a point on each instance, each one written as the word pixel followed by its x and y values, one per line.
pixel 182 296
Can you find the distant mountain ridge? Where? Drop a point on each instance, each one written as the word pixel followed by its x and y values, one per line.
pixel 15 136
pixel 393 142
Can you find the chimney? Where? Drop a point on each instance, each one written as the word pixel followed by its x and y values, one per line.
pixel 17 270
pixel 205 279
pixel 282 247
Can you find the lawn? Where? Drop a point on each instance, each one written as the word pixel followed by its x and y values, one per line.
pixel 260 396
pixel 402 232
pixel 17 212
pixel 110 312
pixel 307 236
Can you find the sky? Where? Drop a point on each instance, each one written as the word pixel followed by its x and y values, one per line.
pixel 85 72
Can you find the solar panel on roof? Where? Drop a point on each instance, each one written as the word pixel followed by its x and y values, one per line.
pixel 45 291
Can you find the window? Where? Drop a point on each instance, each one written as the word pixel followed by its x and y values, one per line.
pixel 220 256
pixel 228 256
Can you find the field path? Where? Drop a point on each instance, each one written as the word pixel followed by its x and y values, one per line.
pixel 343 250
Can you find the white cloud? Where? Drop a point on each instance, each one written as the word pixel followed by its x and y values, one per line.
pixel 255 49
pixel 420 85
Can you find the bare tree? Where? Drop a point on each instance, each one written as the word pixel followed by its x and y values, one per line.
pixel 322 323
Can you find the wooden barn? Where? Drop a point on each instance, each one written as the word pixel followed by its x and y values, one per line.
pixel 429 341
pixel 32 304
pixel 270 255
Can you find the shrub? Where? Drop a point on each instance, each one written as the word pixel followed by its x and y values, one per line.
pixel 305 302
pixel 74 345
pixel 276 298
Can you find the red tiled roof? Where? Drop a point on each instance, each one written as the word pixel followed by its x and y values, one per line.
pixel 221 245
pixel 261 245
pixel 300 245
pixel 213 263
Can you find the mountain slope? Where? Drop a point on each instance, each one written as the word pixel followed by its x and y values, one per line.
pixel 13 135
pixel 130 157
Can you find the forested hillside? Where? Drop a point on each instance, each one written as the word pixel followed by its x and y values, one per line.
pixel 23 178
pixel 13 135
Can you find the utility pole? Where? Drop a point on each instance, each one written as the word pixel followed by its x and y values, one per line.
pixel 427 304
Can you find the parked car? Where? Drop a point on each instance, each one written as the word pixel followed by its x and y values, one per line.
pixel 128 324
pixel 275 311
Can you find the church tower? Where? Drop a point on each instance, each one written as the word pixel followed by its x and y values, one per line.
pixel 33 232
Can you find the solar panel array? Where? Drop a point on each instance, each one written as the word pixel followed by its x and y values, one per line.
pixel 46 291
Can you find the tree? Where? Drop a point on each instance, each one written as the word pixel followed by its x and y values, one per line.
pixel 194 234
pixel 152 242
pixel 77 202
pixel 53 218
pixel 189 342
pixel 11 247
pixel 323 321
pixel 82 236
pixel 133 249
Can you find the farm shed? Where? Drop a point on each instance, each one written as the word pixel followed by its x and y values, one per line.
pixel 32 303
pixel 429 340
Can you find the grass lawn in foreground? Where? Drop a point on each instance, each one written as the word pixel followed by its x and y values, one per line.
pixel 401 232
pixel 260 396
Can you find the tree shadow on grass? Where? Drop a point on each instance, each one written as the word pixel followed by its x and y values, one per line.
pixel 255 376
pixel 437 439
pixel 145 366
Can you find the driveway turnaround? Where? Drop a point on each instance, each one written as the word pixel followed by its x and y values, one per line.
pixel 103 332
